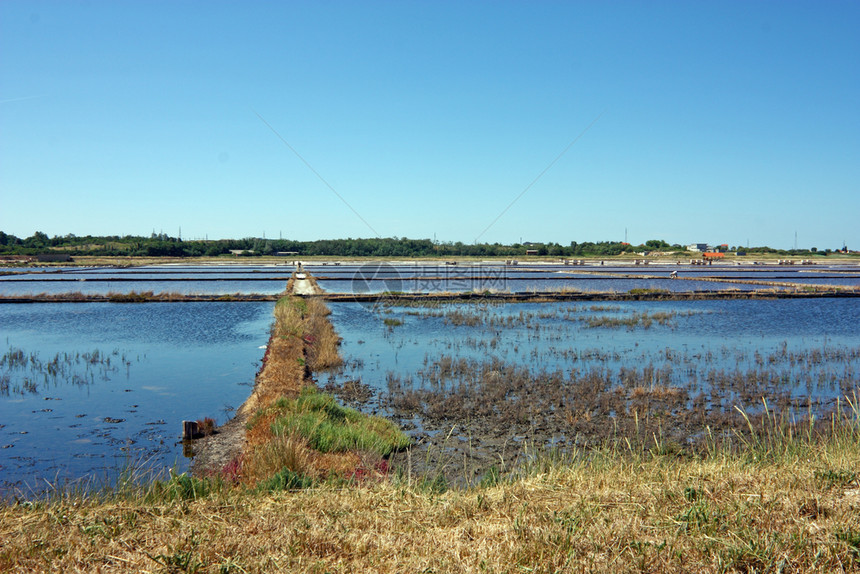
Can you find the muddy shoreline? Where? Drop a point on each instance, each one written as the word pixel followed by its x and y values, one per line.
pixel 460 449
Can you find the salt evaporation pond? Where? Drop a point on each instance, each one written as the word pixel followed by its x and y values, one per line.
pixel 128 374
pixel 801 352
pixel 376 277
pixel 185 280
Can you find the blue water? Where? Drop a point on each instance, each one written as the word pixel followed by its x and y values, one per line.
pixel 216 287
pixel 186 280
pixel 168 362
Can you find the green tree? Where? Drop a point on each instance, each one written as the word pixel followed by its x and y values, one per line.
pixel 38 239
pixel 657 244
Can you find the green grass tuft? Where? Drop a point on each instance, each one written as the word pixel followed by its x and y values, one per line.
pixel 179 487
pixel 286 479
pixel 329 427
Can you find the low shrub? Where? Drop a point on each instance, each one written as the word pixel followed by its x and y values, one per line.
pixel 206 426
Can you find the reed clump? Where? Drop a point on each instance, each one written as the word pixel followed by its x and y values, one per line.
pixel 306 319
pixel 145 297
pixel 206 426
pixel 23 373
pixel 268 458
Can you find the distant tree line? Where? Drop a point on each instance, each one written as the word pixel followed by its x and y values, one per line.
pixel 163 245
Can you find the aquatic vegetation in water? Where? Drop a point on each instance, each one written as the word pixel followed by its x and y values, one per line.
pixel 593 403
pixel 24 373
pixel 644 319
pixel 475 316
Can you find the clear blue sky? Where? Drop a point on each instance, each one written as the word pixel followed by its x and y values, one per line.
pixel 719 122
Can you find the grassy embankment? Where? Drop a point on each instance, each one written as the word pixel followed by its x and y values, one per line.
pixel 786 500
pixel 292 428
pixel 295 433
pixel 782 499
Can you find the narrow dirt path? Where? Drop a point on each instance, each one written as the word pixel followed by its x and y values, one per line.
pixel 304 283
pixel 305 287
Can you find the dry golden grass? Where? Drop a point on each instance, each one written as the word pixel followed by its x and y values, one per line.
pixel 323 340
pixel 285 366
pixel 264 459
pixel 611 513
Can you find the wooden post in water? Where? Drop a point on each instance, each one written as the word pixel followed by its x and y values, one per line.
pixel 189 430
